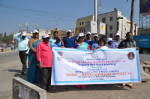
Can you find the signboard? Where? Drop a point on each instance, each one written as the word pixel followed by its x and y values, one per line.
pixel 74 66
pixel 102 28
pixel 144 7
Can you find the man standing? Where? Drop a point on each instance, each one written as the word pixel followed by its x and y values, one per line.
pixel 88 38
pixel 128 43
pixel 23 48
pixel 95 44
pixel 44 56
pixel 56 41
pixel 116 42
pixel 69 40
pixel 109 41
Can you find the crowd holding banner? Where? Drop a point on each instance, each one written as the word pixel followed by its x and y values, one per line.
pixel 41 56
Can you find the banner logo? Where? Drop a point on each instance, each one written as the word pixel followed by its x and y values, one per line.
pixel 131 56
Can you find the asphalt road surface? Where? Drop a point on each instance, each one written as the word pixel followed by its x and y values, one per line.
pixel 10 66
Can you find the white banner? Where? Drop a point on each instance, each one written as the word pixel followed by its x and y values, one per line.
pixel 104 66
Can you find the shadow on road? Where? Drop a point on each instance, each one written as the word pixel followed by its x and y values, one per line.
pixel 14 70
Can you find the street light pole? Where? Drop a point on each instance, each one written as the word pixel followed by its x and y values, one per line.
pixel 57 21
pixel 95 10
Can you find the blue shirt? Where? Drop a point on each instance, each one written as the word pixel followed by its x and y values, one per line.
pixel 22 43
pixel 147 5
pixel 57 44
pixel 89 42
pixel 52 42
pixel 68 43
pixel 115 44
pixel 94 45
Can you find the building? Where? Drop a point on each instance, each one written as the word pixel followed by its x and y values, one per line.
pixel 60 32
pixel 116 23
pixel 80 24
pixel 43 32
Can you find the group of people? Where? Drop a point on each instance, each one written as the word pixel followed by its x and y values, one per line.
pixel 13 46
pixel 40 55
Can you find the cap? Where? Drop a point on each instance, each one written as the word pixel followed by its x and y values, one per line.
pixel 95 35
pixel 109 39
pixel 46 36
pixel 80 35
pixel 88 33
pixel 35 31
pixel 117 34
pixel 24 34
pixel 68 31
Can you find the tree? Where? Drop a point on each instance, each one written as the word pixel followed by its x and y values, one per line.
pixel 5 35
pixel 5 38
pixel 132 16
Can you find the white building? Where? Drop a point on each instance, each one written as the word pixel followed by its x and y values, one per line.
pixel 111 19
pixel 43 32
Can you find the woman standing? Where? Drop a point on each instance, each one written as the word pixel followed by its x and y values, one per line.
pixel 80 42
pixel 101 43
pixel 33 75
pixel 81 45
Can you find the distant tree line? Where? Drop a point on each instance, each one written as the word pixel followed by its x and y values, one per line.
pixel 6 39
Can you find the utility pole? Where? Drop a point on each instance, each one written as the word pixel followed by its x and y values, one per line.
pixel 132 16
pixel 36 26
pixel 24 26
pixel 57 21
pixel 19 27
pixel 95 10
pixel 27 26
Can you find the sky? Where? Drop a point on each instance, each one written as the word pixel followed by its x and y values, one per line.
pixel 43 12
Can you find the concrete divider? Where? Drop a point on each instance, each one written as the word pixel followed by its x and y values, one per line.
pixel 25 90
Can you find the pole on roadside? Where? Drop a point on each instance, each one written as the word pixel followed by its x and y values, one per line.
pixel 132 16
pixel 95 10
pixel 57 21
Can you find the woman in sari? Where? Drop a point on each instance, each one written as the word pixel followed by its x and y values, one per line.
pixel 33 75
pixel 81 45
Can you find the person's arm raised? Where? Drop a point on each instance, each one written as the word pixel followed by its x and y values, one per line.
pixel 62 43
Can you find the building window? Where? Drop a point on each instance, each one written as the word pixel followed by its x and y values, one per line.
pixel 111 18
pixel 104 20
pixel 111 27
pixel 82 23
pixel 81 30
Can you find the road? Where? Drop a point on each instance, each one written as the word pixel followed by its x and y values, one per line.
pixel 145 57
pixel 10 66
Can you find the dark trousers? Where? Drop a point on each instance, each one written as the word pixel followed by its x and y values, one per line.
pixel 23 58
pixel 45 78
